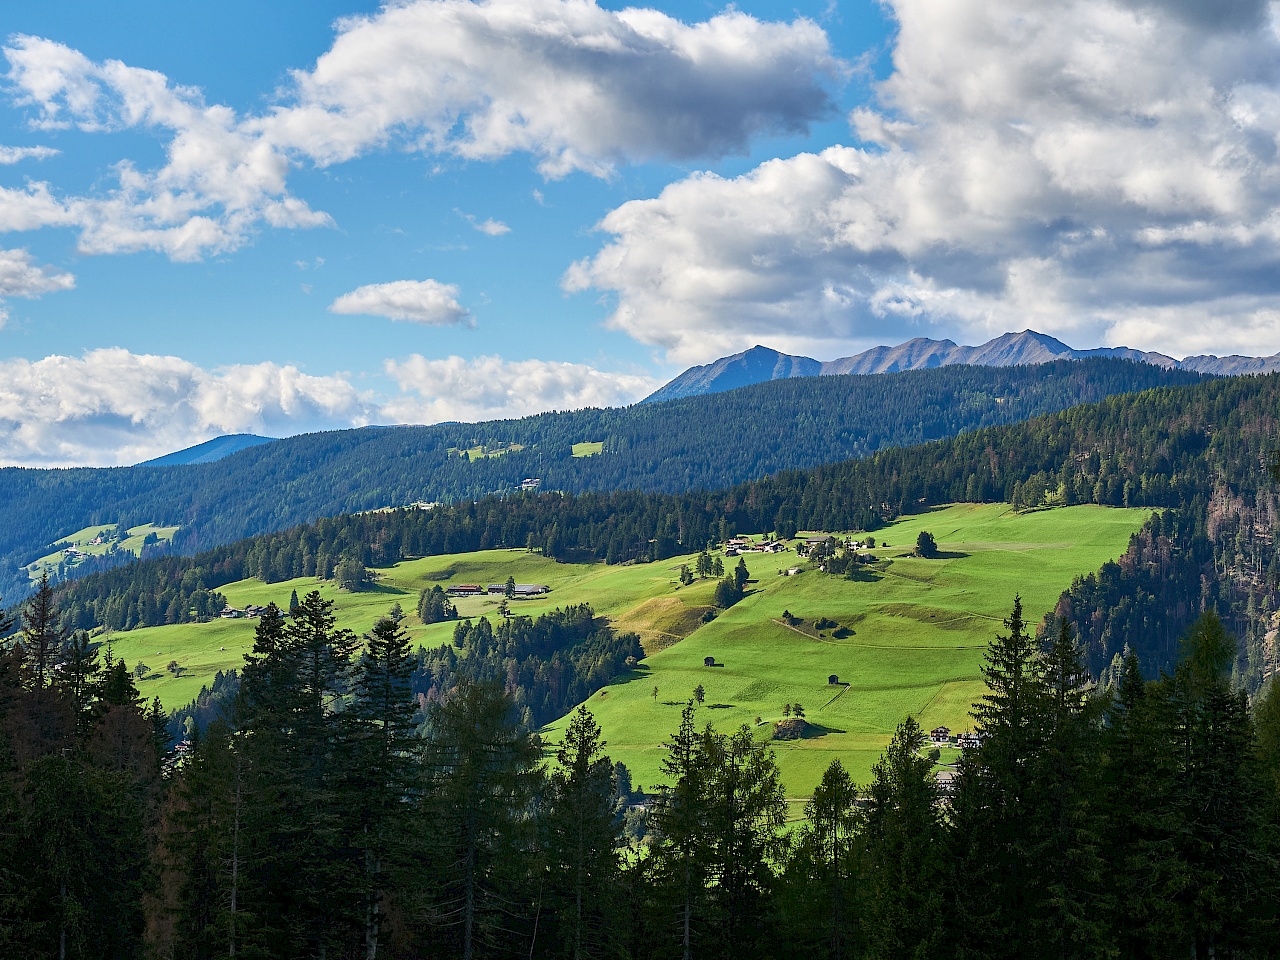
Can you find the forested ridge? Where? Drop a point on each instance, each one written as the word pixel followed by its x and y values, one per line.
pixel 331 812
pixel 695 443
pixel 1202 451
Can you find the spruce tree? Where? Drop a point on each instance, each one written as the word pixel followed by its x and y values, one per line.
pixel 582 835
pixel 745 809
pixel 481 779
pixel 820 896
pixel 904 850
pixel 681 855
pixel 43 633
pixel 383 769
pixel 309 874
pixel 1217 802
pixel 1065 821
pixel 994 880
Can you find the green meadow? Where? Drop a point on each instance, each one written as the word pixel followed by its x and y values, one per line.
pixel 918 629
pixel 909 637
pixel 81 540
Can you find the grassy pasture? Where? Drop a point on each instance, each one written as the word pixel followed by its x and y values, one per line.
pixel 486 450
pixel 588 448
pixel 917 630
pixel 80 540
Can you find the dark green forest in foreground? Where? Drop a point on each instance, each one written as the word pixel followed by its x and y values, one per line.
pixel 1198 455
pixel 329 813
pixel 696 443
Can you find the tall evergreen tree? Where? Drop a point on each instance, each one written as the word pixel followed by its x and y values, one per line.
pixel 1217 801
pixel 384 769
pixel 995 882
pixel 481 780
pixel 821 884
pixel 746 810
pixel 1066 821
pixel 681 854
pixel 43 633
pixel 582 835
pixel 904 850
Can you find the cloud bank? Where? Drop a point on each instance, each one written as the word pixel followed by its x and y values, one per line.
pixel 111 407
pixel 417 301
pixel 115 407
pixel 575 86
pixel 1107 170
pixel 489 388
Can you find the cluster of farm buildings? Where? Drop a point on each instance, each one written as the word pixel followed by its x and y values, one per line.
pixel 250 610
pixel 943 737
pixel 520 590
pixel 740 545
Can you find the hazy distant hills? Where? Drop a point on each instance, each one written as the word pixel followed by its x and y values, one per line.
pixel 695 443
pixel 1011 349
pixel 211 451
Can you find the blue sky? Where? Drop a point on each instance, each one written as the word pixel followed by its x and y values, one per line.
pixel 291 216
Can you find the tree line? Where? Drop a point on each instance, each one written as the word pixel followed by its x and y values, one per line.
pixel 671 447
pixel 329 812
pixel 1200 451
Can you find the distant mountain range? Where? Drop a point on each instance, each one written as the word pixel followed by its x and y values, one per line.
pixel 1011 349
pixel 211 451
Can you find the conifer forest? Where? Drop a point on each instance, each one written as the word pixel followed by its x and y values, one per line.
pixel 324 814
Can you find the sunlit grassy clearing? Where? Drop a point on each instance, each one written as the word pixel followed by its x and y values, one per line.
pixel 920 627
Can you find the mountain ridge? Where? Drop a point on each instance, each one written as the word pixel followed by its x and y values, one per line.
pixel 1028 347
pixel 211 451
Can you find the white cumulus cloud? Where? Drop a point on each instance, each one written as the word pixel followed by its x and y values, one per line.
pixel 12 155
pixel 574 85
pixel 487 388
pixel 1107 170
pixel 417 301
pixel 20 276
pixel 112 407
pixel 219 181
pixel 578 86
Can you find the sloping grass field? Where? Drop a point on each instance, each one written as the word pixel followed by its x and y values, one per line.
pixel 913 630
pixel 81 541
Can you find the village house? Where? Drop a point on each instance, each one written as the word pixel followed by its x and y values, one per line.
pixel 464 590
pixel 531 483
pixel 231 613
pixel 940 735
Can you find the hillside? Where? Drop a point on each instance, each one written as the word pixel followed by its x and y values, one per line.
pixel 698 443
pixel 917 632
pixel 99 547
pixel 760 364
pixel 916 629
pixel 1202 451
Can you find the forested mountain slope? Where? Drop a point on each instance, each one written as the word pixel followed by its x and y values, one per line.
pixel 697 443
pixel 1202 450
